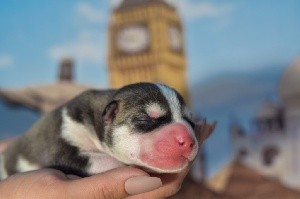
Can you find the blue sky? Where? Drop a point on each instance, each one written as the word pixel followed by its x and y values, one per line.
pixel 236 51
pixel 221 37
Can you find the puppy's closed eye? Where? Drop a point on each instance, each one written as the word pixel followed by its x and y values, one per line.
pixel 146 123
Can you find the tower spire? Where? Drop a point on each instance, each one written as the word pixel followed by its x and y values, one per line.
pixel 66 70
pixel 127 4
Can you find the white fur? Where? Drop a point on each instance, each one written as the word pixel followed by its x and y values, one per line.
pixel 79 135
pixel 3 172
pixel 101 162
pixel 155 109
pixel 126 145
pixel 173 102
pixel 24 165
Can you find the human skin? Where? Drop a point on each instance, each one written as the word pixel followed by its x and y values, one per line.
pixel 5 143
pixel 114 184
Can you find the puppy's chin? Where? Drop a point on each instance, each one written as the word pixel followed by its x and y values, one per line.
pixel 166 165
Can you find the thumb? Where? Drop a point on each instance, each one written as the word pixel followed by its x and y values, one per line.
pixel 114 184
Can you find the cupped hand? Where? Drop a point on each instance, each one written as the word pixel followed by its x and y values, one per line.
pixel 115 184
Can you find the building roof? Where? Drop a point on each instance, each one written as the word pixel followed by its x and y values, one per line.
pixel 268 109
pixel 244 182
pixel 128 4
pixel 289 87
pixel 43 98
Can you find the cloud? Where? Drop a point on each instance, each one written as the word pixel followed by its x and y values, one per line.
pixel 6 60
pixel 198 10
pixel 88 45
pixel 86 48
pixel 115 3
pixel 90 12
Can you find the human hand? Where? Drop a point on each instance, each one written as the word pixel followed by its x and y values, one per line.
pixel 114 184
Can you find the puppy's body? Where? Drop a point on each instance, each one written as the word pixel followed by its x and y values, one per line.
pixel 145 124
pixel 45 145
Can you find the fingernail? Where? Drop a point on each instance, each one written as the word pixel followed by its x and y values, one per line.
pixel 142 184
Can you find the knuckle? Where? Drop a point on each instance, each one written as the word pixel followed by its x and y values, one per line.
pixel 106 192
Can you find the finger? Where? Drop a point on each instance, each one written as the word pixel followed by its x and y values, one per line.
pixel 114 184
pixel 171 185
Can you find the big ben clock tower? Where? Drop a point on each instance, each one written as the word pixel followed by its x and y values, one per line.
pixel 146 44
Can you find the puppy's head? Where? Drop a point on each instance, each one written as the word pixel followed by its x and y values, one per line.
pixel 149 125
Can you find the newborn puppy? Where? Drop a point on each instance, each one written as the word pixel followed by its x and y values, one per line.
pixel 145 124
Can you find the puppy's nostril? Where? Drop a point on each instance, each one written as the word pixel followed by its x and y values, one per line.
pixel 186 144
pixel 181 143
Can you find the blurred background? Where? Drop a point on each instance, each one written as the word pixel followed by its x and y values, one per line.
pixel 236 62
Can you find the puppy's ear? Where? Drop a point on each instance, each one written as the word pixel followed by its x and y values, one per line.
pixel 110 112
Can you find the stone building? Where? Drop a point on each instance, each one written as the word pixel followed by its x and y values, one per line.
pixel 274 147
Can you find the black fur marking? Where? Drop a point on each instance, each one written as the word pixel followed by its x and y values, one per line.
pixel 68 170
pixel 69 160
pixel 109 137
pixel 140 95
pixel 146 124
pixel 189 121
pixel 180 98
pixel 76 113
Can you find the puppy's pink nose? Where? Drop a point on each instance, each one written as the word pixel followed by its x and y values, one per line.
pixel 176 141
pixel 183 140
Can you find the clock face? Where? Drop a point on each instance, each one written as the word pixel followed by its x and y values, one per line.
pixel 133 38
pixel 175 38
